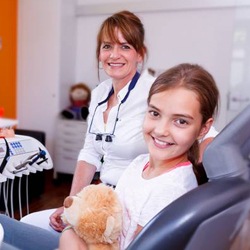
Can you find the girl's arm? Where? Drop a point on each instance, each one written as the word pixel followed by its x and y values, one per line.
pixel 70 240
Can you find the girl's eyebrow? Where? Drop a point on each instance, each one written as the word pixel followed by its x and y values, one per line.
pixel 185 116
pixel 175 115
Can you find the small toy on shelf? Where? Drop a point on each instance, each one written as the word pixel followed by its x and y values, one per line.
pixel 80 95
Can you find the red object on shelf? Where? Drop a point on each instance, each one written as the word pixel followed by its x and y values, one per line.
pixel 1 111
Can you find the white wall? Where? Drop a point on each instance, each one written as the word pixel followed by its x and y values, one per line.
pixel 38 65
pixel 67 50
pixel 46 63
pixel 201 37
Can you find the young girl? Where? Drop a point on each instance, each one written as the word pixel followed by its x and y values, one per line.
pixel 181 104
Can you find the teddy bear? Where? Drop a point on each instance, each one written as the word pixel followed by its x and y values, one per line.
pixel 95 214
pixel 79 96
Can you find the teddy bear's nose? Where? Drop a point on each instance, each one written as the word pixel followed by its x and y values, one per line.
pixel 68 202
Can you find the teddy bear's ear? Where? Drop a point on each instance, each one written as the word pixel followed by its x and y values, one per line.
pixel 110 224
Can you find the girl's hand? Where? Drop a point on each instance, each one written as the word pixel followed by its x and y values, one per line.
pixel 70 240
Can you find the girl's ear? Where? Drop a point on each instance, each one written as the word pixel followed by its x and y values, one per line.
pixel 205 128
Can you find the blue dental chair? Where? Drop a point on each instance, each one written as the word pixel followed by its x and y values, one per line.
pixel 211 216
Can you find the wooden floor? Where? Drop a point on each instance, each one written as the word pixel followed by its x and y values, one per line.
pixel 44 193
pixel 54 192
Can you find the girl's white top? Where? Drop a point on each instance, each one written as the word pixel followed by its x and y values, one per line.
pixel 142 199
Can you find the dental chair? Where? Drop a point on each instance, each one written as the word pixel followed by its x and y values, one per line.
pixel 215 214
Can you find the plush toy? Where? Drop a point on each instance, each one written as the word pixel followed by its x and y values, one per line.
pixel 95 214
pixel 79 98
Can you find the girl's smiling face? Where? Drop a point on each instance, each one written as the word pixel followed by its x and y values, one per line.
pixel 172 123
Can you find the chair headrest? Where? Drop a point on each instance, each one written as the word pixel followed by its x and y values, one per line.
pixel 229 153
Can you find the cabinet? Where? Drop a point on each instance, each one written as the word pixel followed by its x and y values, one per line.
pixel 70 135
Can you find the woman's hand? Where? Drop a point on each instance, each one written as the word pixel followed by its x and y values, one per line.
pixel 70 240
pixel 55 220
